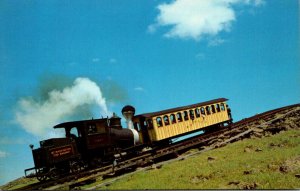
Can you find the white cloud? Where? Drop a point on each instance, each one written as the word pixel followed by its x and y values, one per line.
pixel 3 154
pixel 38 118
pixel 196 19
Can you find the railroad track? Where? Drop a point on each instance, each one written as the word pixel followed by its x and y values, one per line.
pixel 228 134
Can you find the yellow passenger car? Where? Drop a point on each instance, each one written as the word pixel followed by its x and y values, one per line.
pixel 175 122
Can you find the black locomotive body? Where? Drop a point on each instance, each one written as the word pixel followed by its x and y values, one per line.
pixel 88 144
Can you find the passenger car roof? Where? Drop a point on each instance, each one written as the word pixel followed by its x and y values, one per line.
pixel 152 114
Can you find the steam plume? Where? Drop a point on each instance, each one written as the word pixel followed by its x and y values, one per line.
pixel 38 118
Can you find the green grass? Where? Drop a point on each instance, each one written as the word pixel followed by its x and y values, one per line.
pixel 251 163
pixel 18 183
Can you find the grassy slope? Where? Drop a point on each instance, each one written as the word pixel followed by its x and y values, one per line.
pixel 18 183
pixel 267 163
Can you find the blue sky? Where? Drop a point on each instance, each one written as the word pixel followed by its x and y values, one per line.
pixel 153 55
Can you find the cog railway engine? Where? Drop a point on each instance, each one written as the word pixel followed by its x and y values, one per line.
pixel 94 143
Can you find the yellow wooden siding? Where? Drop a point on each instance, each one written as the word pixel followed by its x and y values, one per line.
pixel 151 133
pixel 166 131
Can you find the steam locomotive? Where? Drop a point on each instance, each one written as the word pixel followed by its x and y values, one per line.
pixel 96 142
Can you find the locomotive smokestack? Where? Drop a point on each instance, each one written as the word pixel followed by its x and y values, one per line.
pixel 128 112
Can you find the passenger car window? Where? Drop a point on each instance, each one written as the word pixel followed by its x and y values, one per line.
pixel 202 111
pixel 218 108
pixel 213 110
pixel 197 111
pixel 222 107
pixel 179 117
pixel 208 110
pixel 158 121
pixel 172 118
pixel 185 115
pixel 166 120
pixel 192 114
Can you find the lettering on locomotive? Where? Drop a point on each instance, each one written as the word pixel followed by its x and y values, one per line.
pixel 62 151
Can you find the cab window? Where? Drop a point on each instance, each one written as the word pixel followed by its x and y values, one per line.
pixel 74 132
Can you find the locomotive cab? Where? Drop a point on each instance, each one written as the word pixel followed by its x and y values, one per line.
pixel 99 139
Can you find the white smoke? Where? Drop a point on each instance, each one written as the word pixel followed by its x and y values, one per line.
pixel 39 118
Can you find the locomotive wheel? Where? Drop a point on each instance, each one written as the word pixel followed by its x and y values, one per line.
pixel 41 176
pixel 54 174
pixel 76 167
